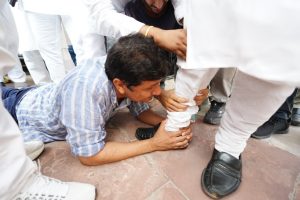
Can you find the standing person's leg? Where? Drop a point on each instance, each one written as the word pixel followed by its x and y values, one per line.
pixel 187 84
pixel 279 122
pixel 285 109
pixel 220 90
pixel 27 46
pixel 11 43
pixel 36 67
pixel 295 119
pixel 72 32
pixel 297 99
pixel 17 75
pixel 246 110
pixel 12 154
pixel 47 31
pixel 221 85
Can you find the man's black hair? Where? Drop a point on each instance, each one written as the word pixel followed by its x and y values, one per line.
pixel 134 59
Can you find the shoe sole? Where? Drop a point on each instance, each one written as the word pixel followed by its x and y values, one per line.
pixel 213 196
pixel 282 132
pixel 261 137
pixel 295 123
pixel 36 153
pixel 213 121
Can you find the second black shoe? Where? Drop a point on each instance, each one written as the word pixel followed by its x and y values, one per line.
pixel 275 125
pixel 215 113
pixel 146 133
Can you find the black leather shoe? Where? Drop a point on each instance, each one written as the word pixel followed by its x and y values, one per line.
pixel 146 133
pixel 295 121
pixel 215 113
pixel 274 125
pixel 222 176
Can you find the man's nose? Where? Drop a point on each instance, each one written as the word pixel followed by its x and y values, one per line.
pixel 159 4
pixel 156 91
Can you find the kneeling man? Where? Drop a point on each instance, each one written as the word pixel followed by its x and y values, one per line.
pixel 77 108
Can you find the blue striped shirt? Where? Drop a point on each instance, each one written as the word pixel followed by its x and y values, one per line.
pixel 74 110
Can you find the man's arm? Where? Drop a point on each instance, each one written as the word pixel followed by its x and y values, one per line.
pixel 110 22
pixel 116 151
pixel 171 40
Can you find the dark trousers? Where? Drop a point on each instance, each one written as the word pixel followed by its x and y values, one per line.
pixel 11 97
pixel 285 111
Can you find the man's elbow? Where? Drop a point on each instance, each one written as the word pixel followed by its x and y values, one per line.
pixel 97 159
pixel 89 161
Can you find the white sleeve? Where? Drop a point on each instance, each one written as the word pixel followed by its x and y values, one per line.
pixel 109 19
pixel 179 8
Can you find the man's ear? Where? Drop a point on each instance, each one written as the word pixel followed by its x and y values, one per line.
pixel 119 85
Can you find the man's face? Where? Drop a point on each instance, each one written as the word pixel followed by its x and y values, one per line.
pixel 156 6
pixel 143 92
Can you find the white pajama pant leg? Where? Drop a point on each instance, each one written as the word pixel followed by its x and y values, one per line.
pixel 71 37
pixel 188 82
pixel 15 166
pixel 36 67
pixel 11 43
pixel 73 29
pixel 17 74
pixel 47 31
pixel 221 84
pixel 253 101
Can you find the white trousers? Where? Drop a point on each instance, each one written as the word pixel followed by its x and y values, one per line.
pixel 253 101
pixel 36 67
pixel 221 84
pixel 11 43
pixel 47 31
pixel 187 84
pixel 27 46
pixel 15 166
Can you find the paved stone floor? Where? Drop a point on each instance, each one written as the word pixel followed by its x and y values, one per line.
pixel 271 167
pixel 268 171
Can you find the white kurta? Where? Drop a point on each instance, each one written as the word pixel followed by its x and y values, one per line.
pixel 260 37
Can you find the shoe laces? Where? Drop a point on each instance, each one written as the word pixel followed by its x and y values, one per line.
pixel 42 187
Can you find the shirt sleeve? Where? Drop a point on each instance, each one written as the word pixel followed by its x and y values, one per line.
pixel 83 118
pixel 179 9
pixel 137 108
pixel 109 20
